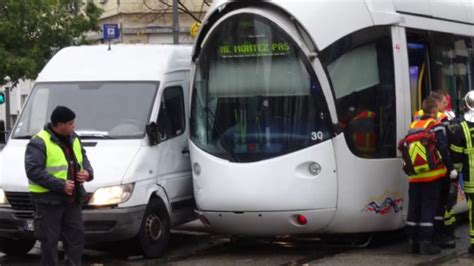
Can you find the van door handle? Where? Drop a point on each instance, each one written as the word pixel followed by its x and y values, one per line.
pixel 185 151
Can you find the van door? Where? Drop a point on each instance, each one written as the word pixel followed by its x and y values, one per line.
pixel 174 163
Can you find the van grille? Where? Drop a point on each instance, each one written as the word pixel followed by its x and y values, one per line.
pixel 20 201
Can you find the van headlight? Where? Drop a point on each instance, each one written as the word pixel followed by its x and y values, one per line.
pixel 111 195
pixel 3 199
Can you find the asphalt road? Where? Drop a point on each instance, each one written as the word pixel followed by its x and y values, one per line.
pixel 192 245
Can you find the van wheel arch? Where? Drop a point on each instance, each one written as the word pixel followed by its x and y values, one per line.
pixel 154 232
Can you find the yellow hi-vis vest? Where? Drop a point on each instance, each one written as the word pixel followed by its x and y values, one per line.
pixel 56 161
pixel 420 113
pixel 468 150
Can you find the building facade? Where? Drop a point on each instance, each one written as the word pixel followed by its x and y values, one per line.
pixel 150 21
pixel 18 96
pixel 140 21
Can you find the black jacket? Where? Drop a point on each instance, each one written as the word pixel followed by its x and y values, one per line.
pixel 35 167
pixel 442 144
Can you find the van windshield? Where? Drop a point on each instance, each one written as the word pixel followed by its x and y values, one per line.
pixel 104 110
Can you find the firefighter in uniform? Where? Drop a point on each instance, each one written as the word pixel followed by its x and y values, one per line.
pixel 362 128
pixel 440 115
pixel 424 187
pixel 444 218
pixel 463 152
pixel 56 166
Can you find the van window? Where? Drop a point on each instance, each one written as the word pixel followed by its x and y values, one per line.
pixel 104 110
pixel 171 120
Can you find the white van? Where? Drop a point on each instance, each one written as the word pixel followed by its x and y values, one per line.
pixel 130 104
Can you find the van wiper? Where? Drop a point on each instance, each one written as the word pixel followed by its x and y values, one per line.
pixel 23 137
pixel 91 134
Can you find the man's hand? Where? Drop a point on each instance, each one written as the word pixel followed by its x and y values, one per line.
pixel 82 176
pixel 69 187
pixel 453 174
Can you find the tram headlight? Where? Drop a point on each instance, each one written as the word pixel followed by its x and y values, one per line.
pixel 314 168
pixel 111 195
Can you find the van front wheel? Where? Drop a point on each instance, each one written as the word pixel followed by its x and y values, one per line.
pixel 155 230
pixel 20 247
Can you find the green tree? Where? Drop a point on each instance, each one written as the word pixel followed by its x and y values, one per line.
pixel 31 31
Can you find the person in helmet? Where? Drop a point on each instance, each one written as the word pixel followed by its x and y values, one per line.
pixel 463 153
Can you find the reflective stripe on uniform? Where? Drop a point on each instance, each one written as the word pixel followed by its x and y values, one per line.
pixel 54 169
pixel 429 175
pixel 426 224
pixel 467 136
pixel 469 187
pixel 456 148
pixel 449 218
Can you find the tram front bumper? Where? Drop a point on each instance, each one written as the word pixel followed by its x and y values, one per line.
pixel 267 223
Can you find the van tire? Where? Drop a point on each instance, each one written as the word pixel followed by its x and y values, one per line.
pixel 154 231
pixel 17 247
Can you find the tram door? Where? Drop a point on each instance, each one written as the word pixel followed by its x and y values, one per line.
pixel 419 67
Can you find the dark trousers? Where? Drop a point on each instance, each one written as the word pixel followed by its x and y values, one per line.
pixel 470 205
pixel 422 204
pixel 56 221
pixel 442 208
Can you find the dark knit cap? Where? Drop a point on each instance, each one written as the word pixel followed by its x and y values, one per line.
pixel 62 114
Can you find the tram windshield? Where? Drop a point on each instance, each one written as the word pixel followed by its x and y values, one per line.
pixel 255 95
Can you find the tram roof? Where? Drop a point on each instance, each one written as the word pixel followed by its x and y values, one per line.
pixel 346 16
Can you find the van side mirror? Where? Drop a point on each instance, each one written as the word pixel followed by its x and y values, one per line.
pixel 153 133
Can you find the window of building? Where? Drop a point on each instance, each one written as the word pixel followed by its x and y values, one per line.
pixel 360 68
pixel 171 118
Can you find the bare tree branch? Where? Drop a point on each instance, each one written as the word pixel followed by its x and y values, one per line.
pixel 168 6
pixel 186 10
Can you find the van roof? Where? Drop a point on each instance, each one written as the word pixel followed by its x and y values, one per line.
pixel 124 62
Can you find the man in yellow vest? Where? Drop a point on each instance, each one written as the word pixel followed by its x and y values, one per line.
pixel 56 166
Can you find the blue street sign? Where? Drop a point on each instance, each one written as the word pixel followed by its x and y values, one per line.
pixel 111 31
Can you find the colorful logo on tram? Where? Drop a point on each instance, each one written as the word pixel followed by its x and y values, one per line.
pixel 385 203
pixel 385 207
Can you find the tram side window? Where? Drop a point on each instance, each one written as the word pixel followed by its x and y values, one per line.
pixel 360 68
pixel 463 70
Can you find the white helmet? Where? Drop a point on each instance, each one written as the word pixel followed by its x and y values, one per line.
pixel 469 104
pixel 469 100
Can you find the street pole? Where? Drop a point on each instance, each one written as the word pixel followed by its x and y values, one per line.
pixel 7 111
pixel 175 22
pixel 7 87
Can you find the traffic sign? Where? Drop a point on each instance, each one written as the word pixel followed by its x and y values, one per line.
pixel 111 31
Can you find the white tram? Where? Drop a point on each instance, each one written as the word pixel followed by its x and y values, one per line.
pixel 298 106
